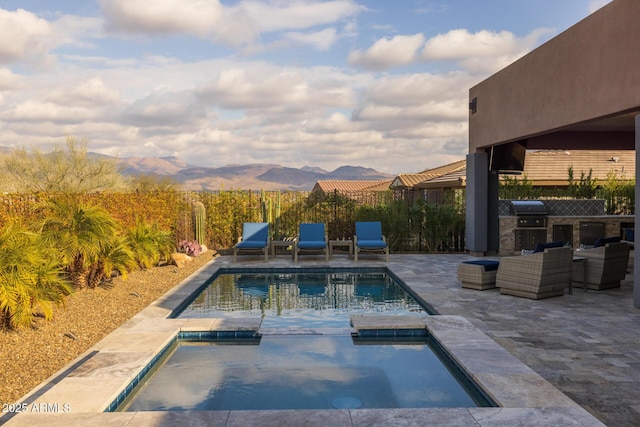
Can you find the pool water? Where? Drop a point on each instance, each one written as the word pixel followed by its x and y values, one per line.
pixel 294 299
pixel 301 372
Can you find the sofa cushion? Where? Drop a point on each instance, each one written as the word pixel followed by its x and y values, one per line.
pixel 489 265
pixel 540 247
pixel 603 241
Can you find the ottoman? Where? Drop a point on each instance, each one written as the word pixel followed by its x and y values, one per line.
pixel 478 274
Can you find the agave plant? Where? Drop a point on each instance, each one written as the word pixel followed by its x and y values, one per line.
pixel 80 233
pixel 31 279
pixel 190 248
pixel 150 244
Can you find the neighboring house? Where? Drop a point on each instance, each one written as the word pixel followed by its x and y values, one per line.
pixel 346 186
pixel 409 183
pixel 544 168
pixel 410 180
pixel 549 168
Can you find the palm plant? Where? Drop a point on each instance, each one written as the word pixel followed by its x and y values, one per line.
pixel 116 255
pixel 31 280
pixel 80 233
pixel 150 244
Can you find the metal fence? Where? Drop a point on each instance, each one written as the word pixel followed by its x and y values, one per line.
pixel 409 227
pixel 420 226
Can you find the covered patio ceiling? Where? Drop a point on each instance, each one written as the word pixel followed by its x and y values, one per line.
pixel 578 91
pixel 614 132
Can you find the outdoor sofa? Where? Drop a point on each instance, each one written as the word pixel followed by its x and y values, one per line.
pixel 538 275
pixel 606 266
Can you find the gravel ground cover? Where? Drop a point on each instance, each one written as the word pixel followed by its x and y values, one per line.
pixel 30 356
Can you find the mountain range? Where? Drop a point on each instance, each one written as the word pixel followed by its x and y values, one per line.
pixel 237 177
pixel 245 177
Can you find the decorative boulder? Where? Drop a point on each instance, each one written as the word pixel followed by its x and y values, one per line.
pixel 180 259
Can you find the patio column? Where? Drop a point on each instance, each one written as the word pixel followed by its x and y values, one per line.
pixel 482 206
pixel 636 255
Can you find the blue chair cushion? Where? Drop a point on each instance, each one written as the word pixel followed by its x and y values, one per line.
pixel 540 247
pixel 489 265
pixel 312 236
pixel 604 240
pixel 369 231
pixel 311 244
pixel 371 244
pixel 254 235
pixel 252 244
pixel 255 231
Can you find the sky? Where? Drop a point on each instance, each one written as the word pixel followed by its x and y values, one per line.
pixel 376 83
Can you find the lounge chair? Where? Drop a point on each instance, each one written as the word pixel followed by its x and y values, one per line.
pixel 369 238
pixel 606 266
pixel 539 275
pixel 311 238
pixel 255 238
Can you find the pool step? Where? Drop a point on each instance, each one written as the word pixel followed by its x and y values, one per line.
pixel 367 326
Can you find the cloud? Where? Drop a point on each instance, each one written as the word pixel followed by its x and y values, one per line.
pixel 238 25
pixel 319 40
pixel 179 112
pixel 244 88
pixel 35 110
pixel 77 30
pixel 8 80
pixel 481 52
pixel 419 88
pixel 276 15
pixel 386 53
pixel 275 90
pixel 23 36
pixel 166 16
pixel 230 111
pixel 87 93
pixel 484 51
pixel 205 19
pixel 408 101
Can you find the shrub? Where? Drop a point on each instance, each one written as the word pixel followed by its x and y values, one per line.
pixel 150 244
pixel 31 279
pixel 68 169
pixel 79 234
pixel 116 255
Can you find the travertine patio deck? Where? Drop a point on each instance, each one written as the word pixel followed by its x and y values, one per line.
pixel 586 344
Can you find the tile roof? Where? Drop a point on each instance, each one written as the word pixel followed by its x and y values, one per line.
pixel 412 179
pixel 454 179
pixel 352 185
pixel 550 167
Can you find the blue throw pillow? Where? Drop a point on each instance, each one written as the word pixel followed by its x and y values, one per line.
pixel 603 241
pixel 488 265
pixel 540 247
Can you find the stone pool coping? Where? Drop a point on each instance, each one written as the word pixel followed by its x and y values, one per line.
pixel 95 379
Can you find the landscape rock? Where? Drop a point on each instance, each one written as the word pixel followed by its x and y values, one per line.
pixel 180 260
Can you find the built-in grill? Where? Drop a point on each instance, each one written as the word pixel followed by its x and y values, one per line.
pixel 529 213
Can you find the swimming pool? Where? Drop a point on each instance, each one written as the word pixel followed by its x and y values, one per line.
pixel 302 372
pixel 295 298
pixel 288 363
pixel 96 386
